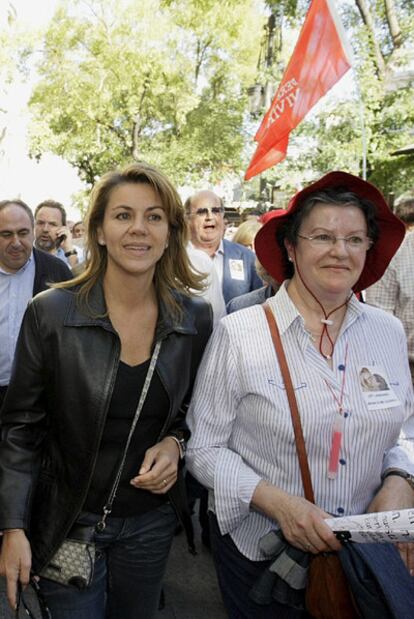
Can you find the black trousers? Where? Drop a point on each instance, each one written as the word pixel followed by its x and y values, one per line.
pixel 236 575
pixel 2 394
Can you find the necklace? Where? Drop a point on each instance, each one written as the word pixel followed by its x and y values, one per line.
pixel 319 336
pixel 313 336
pixel 326 320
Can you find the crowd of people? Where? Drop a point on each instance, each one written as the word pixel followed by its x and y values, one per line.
pixel 138 373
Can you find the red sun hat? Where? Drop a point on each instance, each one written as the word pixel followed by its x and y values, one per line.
pixel 270 214
pixel 391 230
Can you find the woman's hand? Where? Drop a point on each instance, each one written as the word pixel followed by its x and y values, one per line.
pixel 407 555
pixel 302 522
pixel 15 562
pixel 158 472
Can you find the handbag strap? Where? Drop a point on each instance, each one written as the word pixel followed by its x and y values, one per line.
pixel 108 506
pixel 294 411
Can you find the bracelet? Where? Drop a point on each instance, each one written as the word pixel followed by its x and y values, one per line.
pixel 180 445
pixel 399 473
pixel 72 252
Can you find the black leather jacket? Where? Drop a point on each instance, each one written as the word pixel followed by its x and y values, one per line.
pixel 56 405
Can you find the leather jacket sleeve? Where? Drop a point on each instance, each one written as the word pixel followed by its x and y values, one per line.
pixel 204 324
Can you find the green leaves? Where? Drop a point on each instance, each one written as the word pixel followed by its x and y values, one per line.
pixel 161 81
pixel 332 138
pixel 165 81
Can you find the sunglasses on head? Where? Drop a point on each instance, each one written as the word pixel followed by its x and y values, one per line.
pixel 21 602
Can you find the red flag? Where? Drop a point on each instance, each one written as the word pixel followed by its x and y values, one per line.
pixel 319 60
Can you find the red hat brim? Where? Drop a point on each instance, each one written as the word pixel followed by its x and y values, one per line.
pixel 391 230
pixel 279 212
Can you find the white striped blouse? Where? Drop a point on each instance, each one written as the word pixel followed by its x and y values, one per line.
pixel 241 425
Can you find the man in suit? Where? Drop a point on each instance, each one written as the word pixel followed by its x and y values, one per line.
pixel 24 271
pixel 234 263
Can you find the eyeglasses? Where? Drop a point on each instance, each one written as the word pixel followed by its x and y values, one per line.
pixel 204 212
pixel 43 607
pixel 353 242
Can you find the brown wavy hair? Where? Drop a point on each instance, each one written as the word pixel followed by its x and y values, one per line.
pixel 173 271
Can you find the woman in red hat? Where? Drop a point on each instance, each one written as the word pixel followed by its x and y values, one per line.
pixel 335 239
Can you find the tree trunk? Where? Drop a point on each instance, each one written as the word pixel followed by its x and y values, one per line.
pixel 201 52
pixel 137 121
pixel 368 21
pixel 136 130
pixel 393 24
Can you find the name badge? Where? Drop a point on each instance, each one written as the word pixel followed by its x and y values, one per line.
pixel 236 269
pixel 376 390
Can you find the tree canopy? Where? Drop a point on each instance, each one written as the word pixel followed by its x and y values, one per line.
pixel 15 48
pixel 165 81
pixel 156 80
pixel 379 32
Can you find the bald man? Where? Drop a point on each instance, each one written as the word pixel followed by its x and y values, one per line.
pixel 234 263
pixel 24 271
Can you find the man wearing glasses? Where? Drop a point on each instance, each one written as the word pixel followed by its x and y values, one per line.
pixel 234 263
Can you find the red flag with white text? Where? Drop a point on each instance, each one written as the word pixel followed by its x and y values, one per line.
pixel 319 60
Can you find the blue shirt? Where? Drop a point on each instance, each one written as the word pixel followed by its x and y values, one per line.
pixel 16 290
pixel 61 255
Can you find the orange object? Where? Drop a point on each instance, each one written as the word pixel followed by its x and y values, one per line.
pixel 319 60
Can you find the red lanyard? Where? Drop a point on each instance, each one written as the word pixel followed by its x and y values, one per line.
pixel 337 429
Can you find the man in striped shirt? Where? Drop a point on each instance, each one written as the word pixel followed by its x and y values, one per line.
pixel 394 292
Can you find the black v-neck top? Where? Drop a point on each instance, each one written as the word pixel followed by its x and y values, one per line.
pixel 129 501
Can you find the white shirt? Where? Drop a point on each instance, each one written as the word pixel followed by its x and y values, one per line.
pixel 213 293
pixel 218 262
pixel 241 425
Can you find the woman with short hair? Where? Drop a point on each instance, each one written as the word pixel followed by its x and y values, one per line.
pixel 336 238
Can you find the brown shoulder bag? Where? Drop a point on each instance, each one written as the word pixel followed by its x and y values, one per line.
pixel 327 593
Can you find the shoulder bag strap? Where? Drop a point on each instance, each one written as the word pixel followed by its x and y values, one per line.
pixel 297 426
pixel 108 507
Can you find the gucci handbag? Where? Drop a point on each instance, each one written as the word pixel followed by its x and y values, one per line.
pixel 73 563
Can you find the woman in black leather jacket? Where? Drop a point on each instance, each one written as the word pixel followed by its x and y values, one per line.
pixel 80 367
